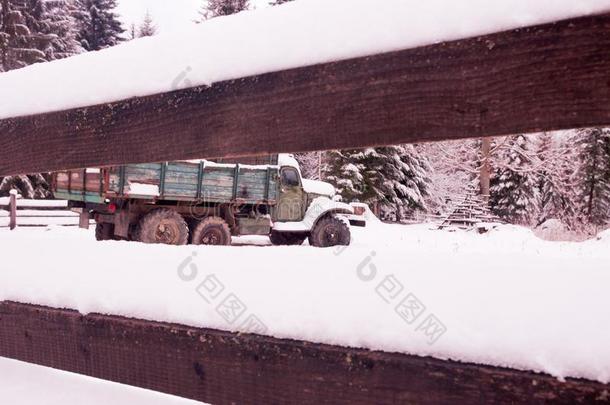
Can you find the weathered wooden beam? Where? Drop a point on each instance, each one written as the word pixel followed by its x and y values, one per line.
pixel 12 208
pixel 548 77
pixel 227 368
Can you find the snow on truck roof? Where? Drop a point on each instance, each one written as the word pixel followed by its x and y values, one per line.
pixel 302 33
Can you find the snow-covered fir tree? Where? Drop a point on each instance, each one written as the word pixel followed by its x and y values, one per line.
pixel 217 8
pixel 555 188
pixel 393 179
pixel 347 171
pixel 513 184
pixel 593 175
pixel 148 27
pixel 402 179
pixel 97 23
pixel 31 186
pixel 21 41
pixel 58 21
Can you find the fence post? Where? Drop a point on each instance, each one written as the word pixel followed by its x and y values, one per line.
pixel 13 210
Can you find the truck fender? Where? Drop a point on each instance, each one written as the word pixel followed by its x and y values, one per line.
pixel 321 207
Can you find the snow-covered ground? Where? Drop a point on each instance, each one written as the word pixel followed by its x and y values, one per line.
pixel 27 384
pixel 302 33
pixel 503 298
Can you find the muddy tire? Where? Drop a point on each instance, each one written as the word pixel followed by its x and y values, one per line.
pixel 162 226
pixel 330 231
pixel 104 231
pixel 287 238
pixel 212 231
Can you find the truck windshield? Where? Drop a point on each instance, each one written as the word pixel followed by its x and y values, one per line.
pixel 290 177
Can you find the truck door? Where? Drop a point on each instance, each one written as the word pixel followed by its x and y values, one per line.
pixel 290 204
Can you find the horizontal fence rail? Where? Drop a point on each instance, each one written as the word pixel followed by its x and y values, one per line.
pixel 552 76
pixel 229 368
pixel 36 213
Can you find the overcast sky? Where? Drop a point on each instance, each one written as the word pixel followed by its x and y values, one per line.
pixel 169 15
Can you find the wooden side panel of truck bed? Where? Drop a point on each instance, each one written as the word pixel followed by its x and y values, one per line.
pixel 178 181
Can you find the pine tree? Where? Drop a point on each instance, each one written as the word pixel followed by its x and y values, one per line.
pixel 98 25
pixel 395 179
pixel 147 28
pixel 21 42
pixel 218 8
pixel 513 186
pixel 346 170
pixel 278 2
pixel 31 186
pixel 593 175
pixel 59 22
pixel 554 180
pixel 48 31
pixel 401 180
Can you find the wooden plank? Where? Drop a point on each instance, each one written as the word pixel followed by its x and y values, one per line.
pixel 13 210
pixel 40 214
pixel 227 368
pixel 38 204
pixel 40 221
pixel 548 77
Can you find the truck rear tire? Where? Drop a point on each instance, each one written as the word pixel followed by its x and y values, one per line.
pixel 162 226
pixel 330 231
pixel 287 238
pixel 212 231
pixel 104 231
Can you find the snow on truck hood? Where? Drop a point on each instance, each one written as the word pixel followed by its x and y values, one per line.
pixel 303 33
pixel 318 187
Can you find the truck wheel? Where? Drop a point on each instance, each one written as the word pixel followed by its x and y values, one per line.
pixel 287 238
pixel 330 231
pixel 104 231
pixel 212 231
pixel 162 226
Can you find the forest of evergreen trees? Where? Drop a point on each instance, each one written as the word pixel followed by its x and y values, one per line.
pixel 563 176
pixel 560 176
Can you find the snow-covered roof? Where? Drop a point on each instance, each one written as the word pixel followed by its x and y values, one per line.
pixel 305 32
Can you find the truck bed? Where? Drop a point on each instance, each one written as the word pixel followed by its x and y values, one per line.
pixel 202 181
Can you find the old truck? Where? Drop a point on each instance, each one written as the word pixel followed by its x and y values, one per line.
pixel 205 203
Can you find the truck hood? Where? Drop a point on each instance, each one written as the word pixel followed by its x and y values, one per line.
pixel 319 187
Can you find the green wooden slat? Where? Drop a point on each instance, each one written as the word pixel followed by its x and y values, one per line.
pixel 200 175
pixel 145 166
pixel 162 180
pixel 122 180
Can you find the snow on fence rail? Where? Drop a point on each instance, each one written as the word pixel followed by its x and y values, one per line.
pixel 231 368
pixel 496 84
pixel 36 213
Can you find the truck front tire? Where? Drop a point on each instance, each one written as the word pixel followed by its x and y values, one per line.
pixel 162 226
pixel 212 231
pixel 330 231
pixel 287 238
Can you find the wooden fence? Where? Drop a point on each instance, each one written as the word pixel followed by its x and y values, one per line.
pixel 229 368
pixel 553 76
pixel 35 213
